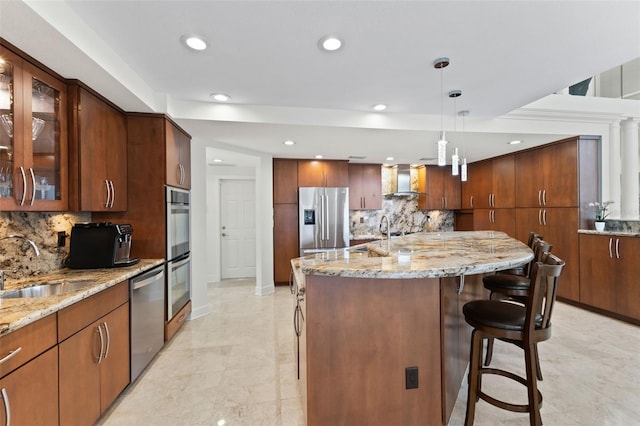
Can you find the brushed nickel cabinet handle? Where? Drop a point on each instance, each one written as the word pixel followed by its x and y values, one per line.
pixel 618 248
pixel 471 201
pixel 610 243
pixel 11 354
pixel 99 357
pixel 106 350
pixel 106 204
pixel 33 186
pixel 544 197
pixel 24 186
pixel 113 193
pixel 539 197
pixel 7 407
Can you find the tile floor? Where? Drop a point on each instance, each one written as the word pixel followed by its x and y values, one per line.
pixel 236 366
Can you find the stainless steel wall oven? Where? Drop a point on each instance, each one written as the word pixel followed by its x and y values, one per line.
pixel 178 250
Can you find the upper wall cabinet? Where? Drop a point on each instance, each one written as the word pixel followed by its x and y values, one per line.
pixel 33 136
pixel 365 186
pixel 443 189
pixel 162 140
pixel 552 176
pixel 178 156
pixel 98 151
pixel 490 184
pixel 285 181
pixel 330 173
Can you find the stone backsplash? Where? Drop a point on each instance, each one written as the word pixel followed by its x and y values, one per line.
pixel 17 258
pixel 616 225
pixel 404 216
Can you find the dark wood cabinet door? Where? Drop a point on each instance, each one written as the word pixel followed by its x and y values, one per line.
pixel 178 156
pixel 529 178
pixel 285 240
pixel 503 181
pixel 482 219
pixel 79 385
pixel 32 392
pixel 451 190
pixel 626 251
pixel 435 187
pixel 114 369
pixel 371 186
pixel 311 173
pixel 337 173
pixel 285 181
pixel 561 175
pixel 560 229
pixel 597 272
pixel 504 220
pixel 479 184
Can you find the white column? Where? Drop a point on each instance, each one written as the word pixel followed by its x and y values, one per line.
pixel 630 187
pixel 615 167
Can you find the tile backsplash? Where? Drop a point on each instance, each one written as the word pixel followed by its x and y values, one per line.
pixel 17 258
pixel 404 217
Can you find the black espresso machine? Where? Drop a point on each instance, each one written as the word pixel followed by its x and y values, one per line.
pixel 100 245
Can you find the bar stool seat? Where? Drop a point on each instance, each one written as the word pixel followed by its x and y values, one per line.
pixel 524 325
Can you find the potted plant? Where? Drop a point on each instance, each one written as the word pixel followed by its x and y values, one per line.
pixel 601 213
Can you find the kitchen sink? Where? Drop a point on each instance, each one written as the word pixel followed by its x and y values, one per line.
pixel 46 289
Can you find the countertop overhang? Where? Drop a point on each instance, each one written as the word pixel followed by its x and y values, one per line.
pixel 421 255
pixel 16 313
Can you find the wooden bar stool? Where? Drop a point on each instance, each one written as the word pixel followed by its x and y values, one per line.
pixel 514 287
pixel 523 325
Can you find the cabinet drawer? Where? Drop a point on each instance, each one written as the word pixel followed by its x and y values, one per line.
pixel 26 343
pixel 172 327
pixel 79 315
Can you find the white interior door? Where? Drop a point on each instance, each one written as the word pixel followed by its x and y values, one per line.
pixel 237 228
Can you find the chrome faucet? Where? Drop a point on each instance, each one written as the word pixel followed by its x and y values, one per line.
pixel 382 219
pixel 20 237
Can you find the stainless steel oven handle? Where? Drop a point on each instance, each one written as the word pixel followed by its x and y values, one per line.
pixel 179 263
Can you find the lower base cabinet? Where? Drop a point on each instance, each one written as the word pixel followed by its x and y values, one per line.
pixel 608 273
pixel 30 393
pixel 94 365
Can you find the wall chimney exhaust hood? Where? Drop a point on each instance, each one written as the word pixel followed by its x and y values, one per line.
pixel 401 181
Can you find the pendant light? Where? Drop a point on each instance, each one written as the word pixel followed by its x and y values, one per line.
pixel 441 63
pixel 463 167
pixel 455 160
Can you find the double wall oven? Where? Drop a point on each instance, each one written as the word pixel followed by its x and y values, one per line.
pixel 178 250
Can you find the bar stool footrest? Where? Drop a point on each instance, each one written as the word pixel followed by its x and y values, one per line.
pixel 518 408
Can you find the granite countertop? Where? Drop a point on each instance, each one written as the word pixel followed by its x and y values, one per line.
pixel 421 255
pixel 609 233
pixel 16 313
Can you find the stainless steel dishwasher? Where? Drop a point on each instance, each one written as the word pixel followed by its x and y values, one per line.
pixel 147 318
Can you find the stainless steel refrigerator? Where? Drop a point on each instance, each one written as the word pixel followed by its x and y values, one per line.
pixel 324 219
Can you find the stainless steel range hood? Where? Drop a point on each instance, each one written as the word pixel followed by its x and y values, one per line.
pixel 402 181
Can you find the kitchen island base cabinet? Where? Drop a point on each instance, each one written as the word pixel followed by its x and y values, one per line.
pixel 361 334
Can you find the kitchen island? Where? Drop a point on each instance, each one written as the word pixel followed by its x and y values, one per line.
pixel 382 335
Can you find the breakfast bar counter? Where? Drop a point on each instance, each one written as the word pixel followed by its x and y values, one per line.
pixel 381 333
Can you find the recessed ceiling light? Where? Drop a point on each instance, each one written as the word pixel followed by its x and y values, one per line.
pixel 330 43
pixel 379 107
pixel 515 142
pixel 217 160
pixel 289 142
pixel 220 97
pixel 390 158
pixel 318 156
pixel 194 42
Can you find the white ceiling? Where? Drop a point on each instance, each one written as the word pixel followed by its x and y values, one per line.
pixel 504 55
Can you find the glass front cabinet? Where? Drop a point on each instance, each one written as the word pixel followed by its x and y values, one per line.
pixel 33 137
